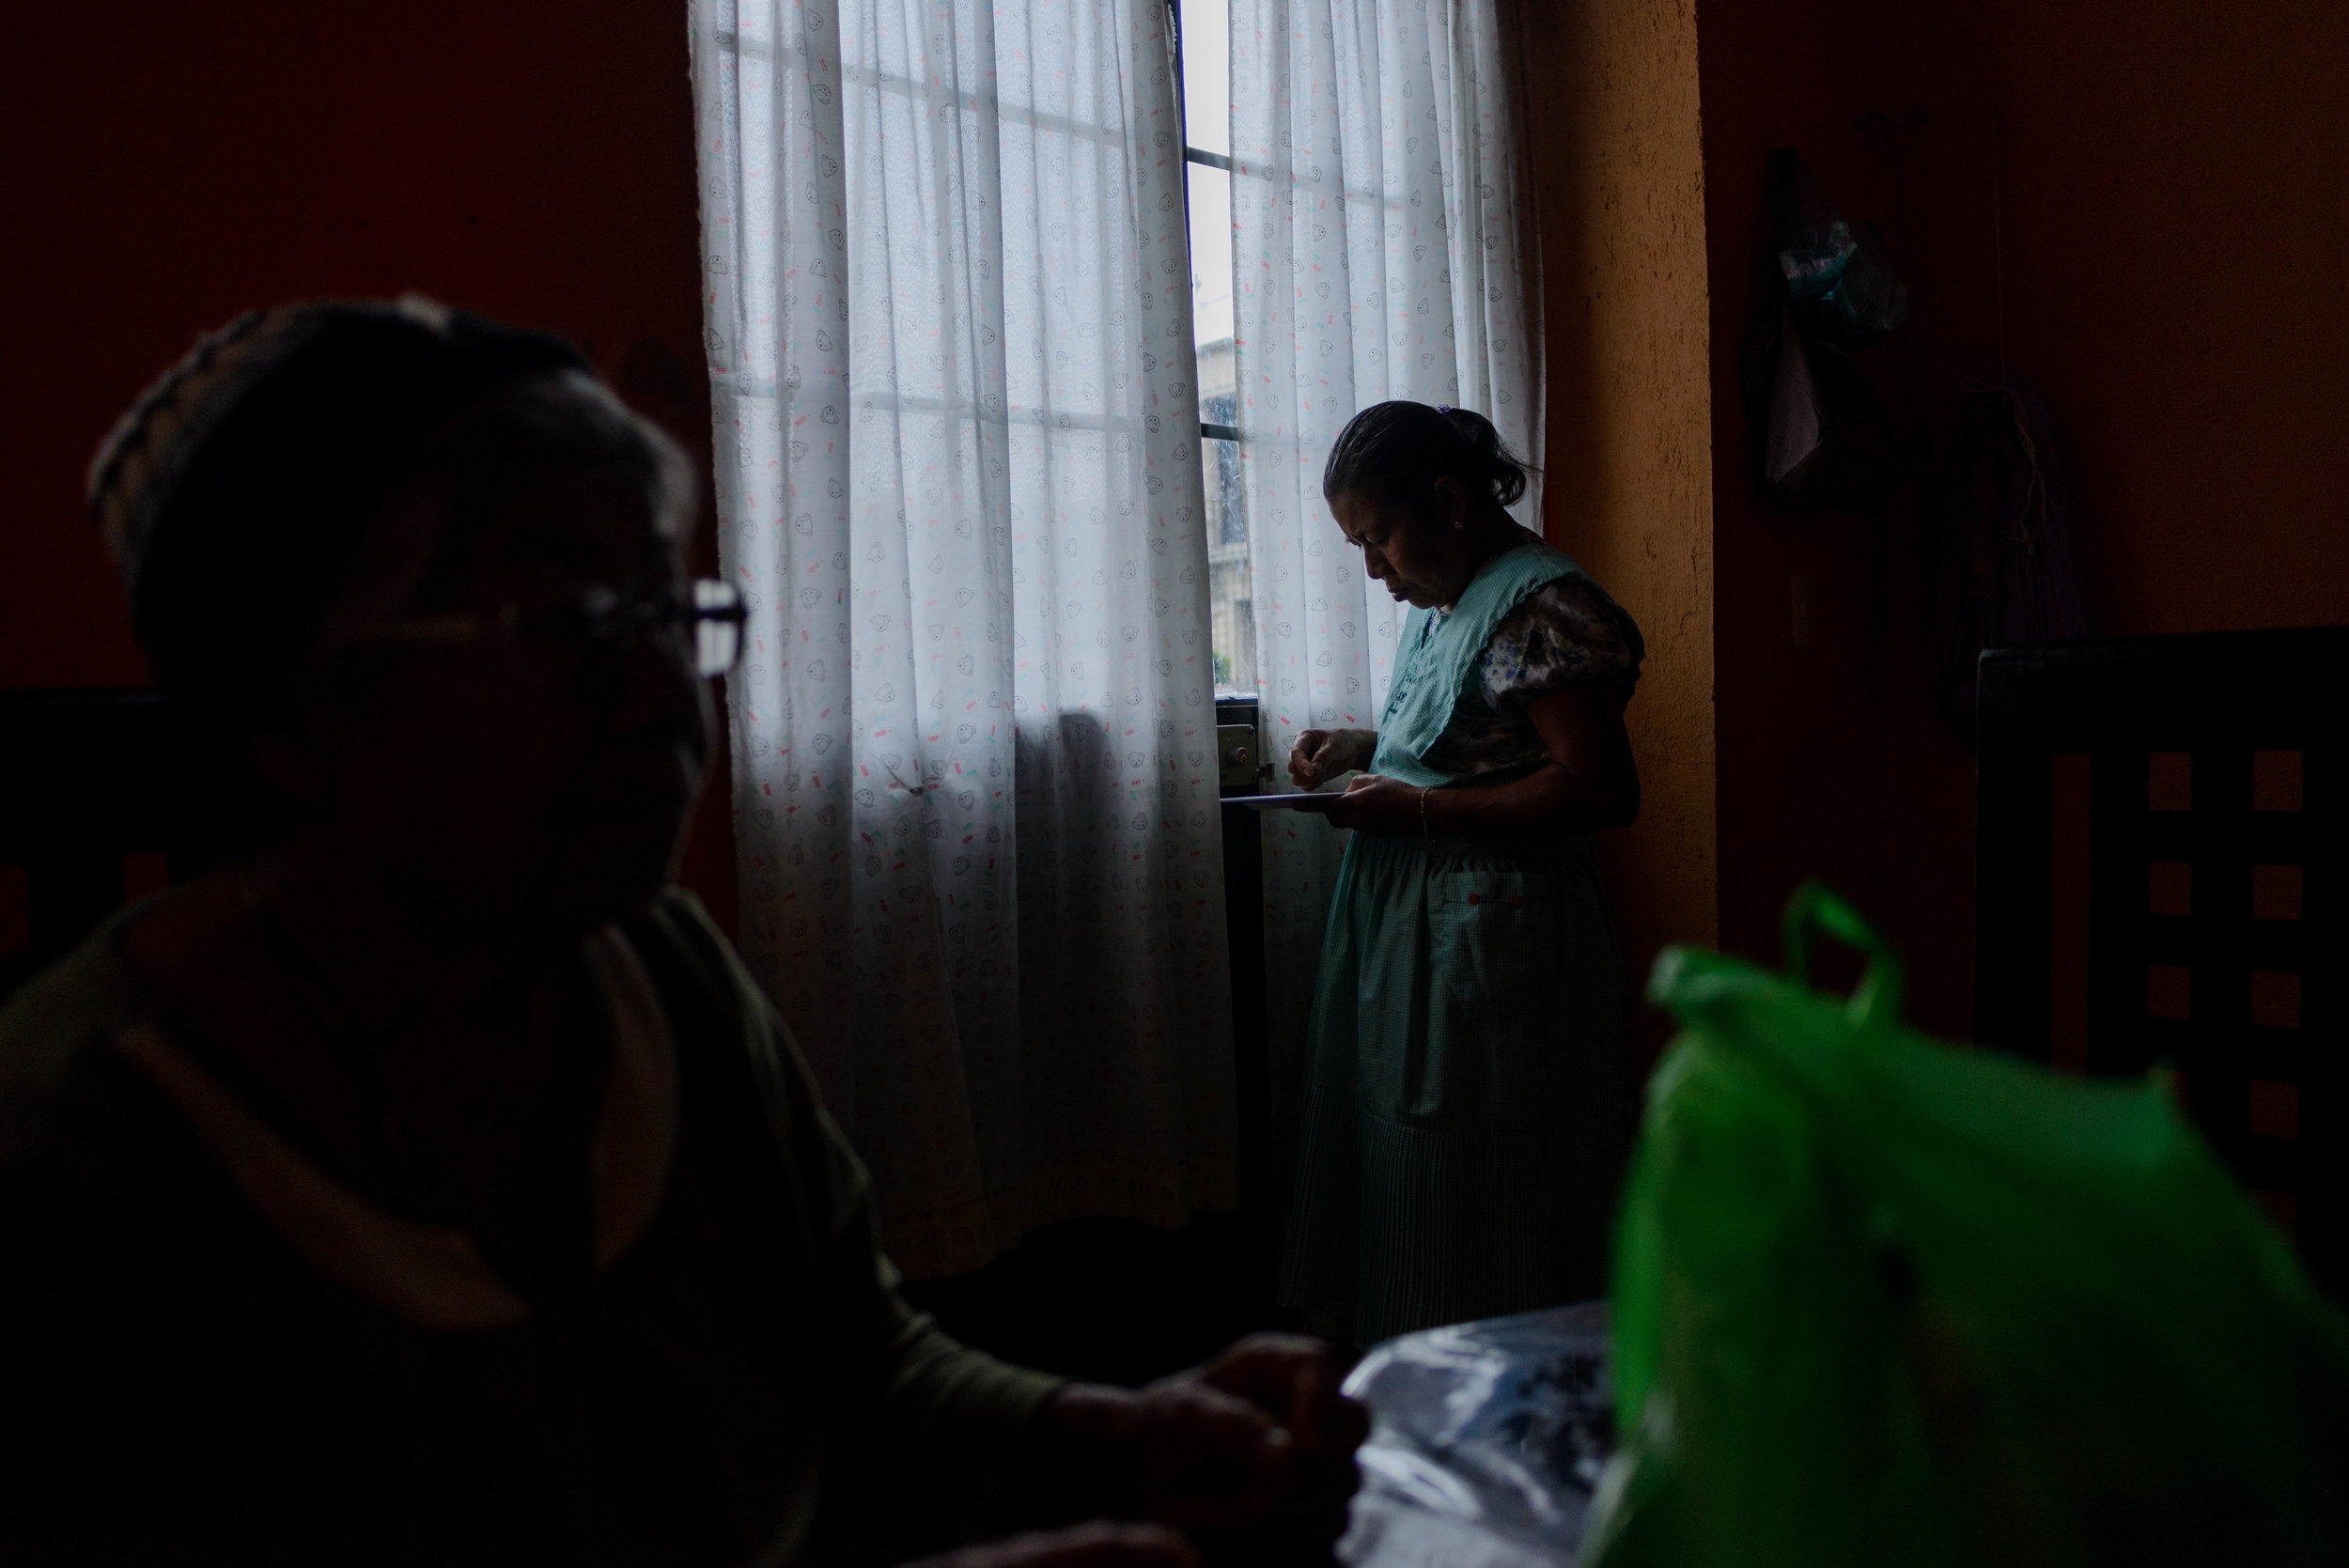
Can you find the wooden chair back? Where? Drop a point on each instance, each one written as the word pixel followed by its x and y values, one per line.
pixel 2159 883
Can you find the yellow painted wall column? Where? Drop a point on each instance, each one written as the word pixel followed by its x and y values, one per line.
pixel 1617 172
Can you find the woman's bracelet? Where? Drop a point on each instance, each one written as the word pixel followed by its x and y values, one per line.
pixel 1422 810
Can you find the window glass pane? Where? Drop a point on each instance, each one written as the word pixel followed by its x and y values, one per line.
pixel 1207 33
pixel 1232 616
pixel 1208 118
pixel 1210 258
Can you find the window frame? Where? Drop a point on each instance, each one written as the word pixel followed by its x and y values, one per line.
pixel 1208 430
pixel 1240 685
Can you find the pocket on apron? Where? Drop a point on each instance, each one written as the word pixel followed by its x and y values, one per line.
pixel 1458 1020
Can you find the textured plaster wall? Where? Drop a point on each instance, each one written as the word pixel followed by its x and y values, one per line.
pixel 1612 119
pixel 2169 191
pixel 2152 198
pixel 168 166
pixel 2175 193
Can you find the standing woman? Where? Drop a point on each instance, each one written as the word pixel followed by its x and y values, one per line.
pixel 1464 1115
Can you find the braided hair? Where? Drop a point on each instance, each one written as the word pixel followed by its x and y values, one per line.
pixel 1398 450
pixel 235 491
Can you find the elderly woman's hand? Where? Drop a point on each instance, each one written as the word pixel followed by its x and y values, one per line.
pixel 1257 1440
pixel 1296 1382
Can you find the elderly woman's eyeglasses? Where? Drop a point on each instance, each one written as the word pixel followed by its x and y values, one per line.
pixel 700 621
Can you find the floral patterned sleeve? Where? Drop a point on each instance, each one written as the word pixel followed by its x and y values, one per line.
pixel 1566 633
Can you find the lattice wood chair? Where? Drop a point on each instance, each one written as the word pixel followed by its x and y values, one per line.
pixel 2159 861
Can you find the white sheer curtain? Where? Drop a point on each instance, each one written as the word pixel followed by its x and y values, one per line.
pixel 958 476
pixel 1374 212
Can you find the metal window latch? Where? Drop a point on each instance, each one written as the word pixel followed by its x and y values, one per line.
pixel 1235 755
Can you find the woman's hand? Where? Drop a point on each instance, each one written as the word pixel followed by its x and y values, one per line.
pixel 1295 1381
pixel 1320 756
pixel 1258 1439
pixel 1375 803
pixel 1591 781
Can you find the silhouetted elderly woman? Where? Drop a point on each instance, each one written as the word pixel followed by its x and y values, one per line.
pixel 428 1183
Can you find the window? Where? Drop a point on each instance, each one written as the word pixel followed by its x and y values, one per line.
pixel 1203 48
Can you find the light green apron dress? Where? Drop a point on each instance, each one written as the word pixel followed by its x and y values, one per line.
pixel 1464 1116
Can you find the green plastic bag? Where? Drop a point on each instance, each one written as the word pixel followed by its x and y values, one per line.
pixel 1883 1301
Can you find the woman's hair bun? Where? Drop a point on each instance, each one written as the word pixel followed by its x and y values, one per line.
pixel 1400 449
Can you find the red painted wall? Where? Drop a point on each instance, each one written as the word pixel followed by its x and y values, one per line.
pixel 2168 181
pixel 2175 267
pixel 163 167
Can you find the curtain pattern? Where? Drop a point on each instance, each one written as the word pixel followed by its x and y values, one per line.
pixel 959 478
pixel 1374 200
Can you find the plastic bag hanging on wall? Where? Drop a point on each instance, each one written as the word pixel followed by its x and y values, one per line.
pixel 1837 286
pixel 1821 435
